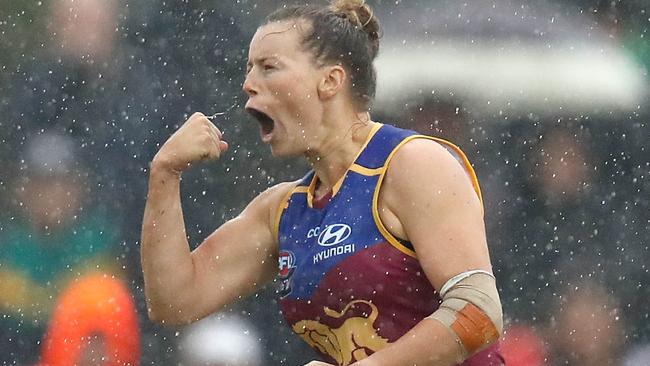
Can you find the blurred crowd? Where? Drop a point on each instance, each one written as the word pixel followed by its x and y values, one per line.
pixel 89 90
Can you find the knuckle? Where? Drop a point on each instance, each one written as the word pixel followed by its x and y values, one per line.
pixel 213 153
pixel 197 119
pixel 207 138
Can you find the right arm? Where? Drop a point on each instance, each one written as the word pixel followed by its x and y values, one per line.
pixel 183 286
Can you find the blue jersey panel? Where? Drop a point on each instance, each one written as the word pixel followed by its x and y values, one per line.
pixel 318 239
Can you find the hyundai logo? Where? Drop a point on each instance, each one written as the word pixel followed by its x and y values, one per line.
pixel 334 234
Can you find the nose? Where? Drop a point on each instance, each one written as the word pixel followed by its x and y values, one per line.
pixel 249 86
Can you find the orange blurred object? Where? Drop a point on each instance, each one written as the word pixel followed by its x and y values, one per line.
pixel 94 307
pixel 521 346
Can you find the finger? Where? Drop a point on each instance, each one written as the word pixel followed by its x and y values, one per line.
pixel 214 135
pixel 215 141
pixel 208 147
pixel 216 129
pixel 220 144
pixel 223 146
pixel 207 139
pixel 213 152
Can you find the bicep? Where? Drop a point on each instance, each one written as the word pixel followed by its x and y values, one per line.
pixel 439 211
pixel 241 251
pixel 238 257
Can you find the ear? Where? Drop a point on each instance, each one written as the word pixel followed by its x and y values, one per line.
pixel 332 82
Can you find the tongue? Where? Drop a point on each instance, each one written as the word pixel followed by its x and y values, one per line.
pixel 266 134
pixel 266 124
pixel 267 127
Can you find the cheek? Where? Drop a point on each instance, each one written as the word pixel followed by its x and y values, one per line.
pixel 295 87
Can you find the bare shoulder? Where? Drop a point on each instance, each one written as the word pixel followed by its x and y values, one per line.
pixel 422 161
pixel 267 203
pixel 277 192
pixel 431 200
pixel 423 176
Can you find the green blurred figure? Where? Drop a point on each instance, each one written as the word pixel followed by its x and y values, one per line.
pixel 53 239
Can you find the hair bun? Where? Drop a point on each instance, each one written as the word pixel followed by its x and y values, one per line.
pixel 361 15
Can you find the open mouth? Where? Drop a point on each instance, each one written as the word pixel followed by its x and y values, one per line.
pixel 266 123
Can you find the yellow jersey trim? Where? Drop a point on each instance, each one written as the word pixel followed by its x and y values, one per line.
pixel 366 171
pixel 284 204
pixel 339 183
pixel 300 189
pixel 375 200
pixel 310 191
pixel 392 240
pixel 468 166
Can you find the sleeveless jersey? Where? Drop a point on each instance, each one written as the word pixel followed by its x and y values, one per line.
pixel 347 286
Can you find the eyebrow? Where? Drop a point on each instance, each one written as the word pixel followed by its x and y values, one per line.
pixel 262 59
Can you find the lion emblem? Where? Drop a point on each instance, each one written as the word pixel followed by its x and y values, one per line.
pixel 350 342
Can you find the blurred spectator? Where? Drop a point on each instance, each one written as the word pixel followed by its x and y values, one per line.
pixel 84 29
pixel 638 356
pixel 84 83
pixel 52 238
pixel 562 169
pixel 94 323
pixel 522 346
pixel 587 328
pixel 441 118
pixel 220 340
pixel 549 216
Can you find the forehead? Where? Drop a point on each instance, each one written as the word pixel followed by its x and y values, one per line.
pixel 276 39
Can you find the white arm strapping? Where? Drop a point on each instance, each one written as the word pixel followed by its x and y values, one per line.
pixel 471 309
pixel 459 277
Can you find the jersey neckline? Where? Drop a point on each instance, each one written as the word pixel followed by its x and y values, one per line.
pixel 323 201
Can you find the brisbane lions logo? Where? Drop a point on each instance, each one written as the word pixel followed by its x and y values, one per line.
pixel 287 266
pixel 353 341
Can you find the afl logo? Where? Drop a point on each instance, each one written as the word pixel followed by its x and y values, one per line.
pixel 287 266
pixel 334 234
pixel 286 263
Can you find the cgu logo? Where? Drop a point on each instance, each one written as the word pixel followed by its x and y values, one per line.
pixel 334 234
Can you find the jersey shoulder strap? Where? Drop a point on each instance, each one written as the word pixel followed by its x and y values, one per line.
pixel 389 138
pixel 382 145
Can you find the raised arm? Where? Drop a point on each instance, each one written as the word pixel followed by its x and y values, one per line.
pixel 428 199
pixel 241 255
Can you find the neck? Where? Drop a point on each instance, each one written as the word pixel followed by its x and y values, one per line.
pixel 338 150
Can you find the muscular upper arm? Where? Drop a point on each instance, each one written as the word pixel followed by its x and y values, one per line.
pixel 240 256
pixel 436 209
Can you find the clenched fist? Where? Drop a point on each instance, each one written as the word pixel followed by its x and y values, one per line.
pixel 197 139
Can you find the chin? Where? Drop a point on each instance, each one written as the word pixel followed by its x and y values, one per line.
pixel 280 151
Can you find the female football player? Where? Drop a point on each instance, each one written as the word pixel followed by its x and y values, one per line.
pixel 380 249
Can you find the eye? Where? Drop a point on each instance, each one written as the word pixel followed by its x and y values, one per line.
pixel 268 67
